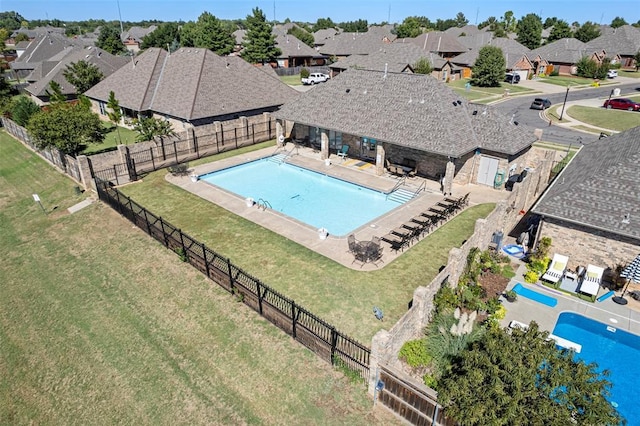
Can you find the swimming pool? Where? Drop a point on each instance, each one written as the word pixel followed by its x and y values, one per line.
pixel 612 349
pixel 307 196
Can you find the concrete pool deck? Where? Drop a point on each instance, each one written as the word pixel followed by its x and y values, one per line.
pixel 333 247
pixel 525 310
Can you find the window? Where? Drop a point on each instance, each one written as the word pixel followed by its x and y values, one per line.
pixel 102 107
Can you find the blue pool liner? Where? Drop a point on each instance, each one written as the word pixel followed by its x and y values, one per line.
pixel 534 295
pixel 605 296
pixel 514 250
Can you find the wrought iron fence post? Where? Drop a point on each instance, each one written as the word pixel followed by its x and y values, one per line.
pixel 334 343
pixel 231 286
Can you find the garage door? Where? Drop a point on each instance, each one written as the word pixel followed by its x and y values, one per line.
pixel 523 74
pixel 487 170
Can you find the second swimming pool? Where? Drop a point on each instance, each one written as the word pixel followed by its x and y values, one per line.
pixel 612 349
pixel 307 196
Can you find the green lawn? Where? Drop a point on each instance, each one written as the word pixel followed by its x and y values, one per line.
pixel 341 296
pixel 100 324
pixel 492 93
pixel 112 139
pixel 608 119
pixel 567 81
pixel 292 80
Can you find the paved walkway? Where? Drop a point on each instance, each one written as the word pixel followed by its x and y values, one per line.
pixel 525 310
pixel 333 247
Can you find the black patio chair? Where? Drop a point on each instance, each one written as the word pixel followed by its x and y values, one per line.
pixel 351 240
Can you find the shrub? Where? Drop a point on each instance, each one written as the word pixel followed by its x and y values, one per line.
pixel 500 313
pixel 493 306
pixel 430 381
pixel 181 254
pixel 304 73
pixel 555 72
pixel 445 299
pixel 531 277
pixel 415 354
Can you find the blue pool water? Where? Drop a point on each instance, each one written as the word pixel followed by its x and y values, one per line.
pixel 313 198
pixel 534 295
pixel 617 351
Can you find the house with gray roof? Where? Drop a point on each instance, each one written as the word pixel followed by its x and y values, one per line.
pixel 398 57
pixel 345 44
pixel 42 48
pixel 564 54
pixel 320 36
pixel 594 203
pixel 623 41
pixel 190 87
pixel 132 38
pixel 442 43
pixel 466 30
pixel 53 70
pixel 296 53
pixel 388 117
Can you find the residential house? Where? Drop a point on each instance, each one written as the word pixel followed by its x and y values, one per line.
pixel 42 48
pixel 516 57
pixel 593 204
pixel 190 87
pixel 398 57
pixel 321 36
pixel 296 53
pixel 54 68
pixel 345 44
pixel 132 38
pixel 620 45
pixel 439 42
pixel 563 55
pixel 466 30
pixel 386 116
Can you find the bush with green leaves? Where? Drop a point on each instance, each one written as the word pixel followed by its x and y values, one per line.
pixel 22 109
pixel 445 299
pixel 415 353
pixel 531 277
pixel 304 73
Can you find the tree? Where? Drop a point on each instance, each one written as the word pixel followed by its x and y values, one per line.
pixel 302 35
pixel 210 33
pixel 21 37
pixel 529 31
pixel 10 20
pixel 410 28
pixel 507 377
pixel 322 24
pixel 587 32
pixel 165 35
pixel 461 20
pixel 149 127
pixel 636 58
pixel 617 22
pixel 359 26
pixel 422 66
pixel 561 29
pixel 82 75
pixel 489 68
pixel 589 68
pixel 6 91
pixel 109 40
pixel 114 113
pixel 509 22
pixel 260 42
pixel 68 128
pixel 549 22
pixel 22 109
pixel 54 93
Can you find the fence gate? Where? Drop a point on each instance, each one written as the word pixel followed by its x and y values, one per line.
pixel 413 401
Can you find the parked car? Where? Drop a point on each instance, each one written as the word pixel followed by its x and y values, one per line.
pixel 612 74
pixel 315 77
pixel 622 103
pixel 540 103
pixel 512 77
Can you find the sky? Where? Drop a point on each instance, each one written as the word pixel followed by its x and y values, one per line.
pixel 374 11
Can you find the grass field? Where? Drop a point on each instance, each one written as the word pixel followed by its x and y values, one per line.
pixel 486 94
pixel 99 324
pixel 292 80
pixel 112 139
pixel 567 81
pixel 342 296
pixel 608 119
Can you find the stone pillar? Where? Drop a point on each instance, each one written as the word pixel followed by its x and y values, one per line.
pixel 379 345
pixel 244 123
pixel 380 157
pixel 448 177
pixel 324 144
pixel 85 173
pixel 122 153
pixel 279 132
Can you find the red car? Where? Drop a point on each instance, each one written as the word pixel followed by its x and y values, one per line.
pixel 622 103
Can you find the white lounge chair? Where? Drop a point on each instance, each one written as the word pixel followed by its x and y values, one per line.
pixel 556 269
pixel 591 281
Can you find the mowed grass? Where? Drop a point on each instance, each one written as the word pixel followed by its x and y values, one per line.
pixel 99 324
pixel 606 118
pixel 112 138
pixel 291 80
pixel 342 296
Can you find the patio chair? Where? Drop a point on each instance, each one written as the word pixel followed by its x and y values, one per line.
pixel 374 251
pixel 591 281
pixel 343 152
pixel 351 240
pixel 556 269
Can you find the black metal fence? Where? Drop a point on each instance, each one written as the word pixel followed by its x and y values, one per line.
pixel 319 336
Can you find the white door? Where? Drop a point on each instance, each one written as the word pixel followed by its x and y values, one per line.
pixel 487 170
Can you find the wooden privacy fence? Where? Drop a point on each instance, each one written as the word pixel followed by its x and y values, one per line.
pixel 167 151
pixel 322 338
pixel 408 400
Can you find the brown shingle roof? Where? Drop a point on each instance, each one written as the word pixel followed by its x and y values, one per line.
pixel 438 41
pixel 624 40
pixel 191 84
pixel 410 110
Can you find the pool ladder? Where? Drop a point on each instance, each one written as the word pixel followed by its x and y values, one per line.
pixel 263 204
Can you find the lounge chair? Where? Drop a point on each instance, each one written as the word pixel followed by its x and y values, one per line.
pixel 591 281
pixel 556 269
pixel 343 152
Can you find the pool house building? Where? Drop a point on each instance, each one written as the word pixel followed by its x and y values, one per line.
pixel 409 119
